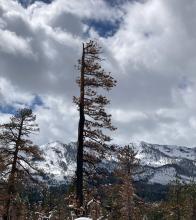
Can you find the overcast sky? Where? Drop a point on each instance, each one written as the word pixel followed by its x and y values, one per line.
pixel 148 45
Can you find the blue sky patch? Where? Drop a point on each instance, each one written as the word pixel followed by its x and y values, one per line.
pixel 114 3
pixel 7 109
pixel 26 3
pixel 103 28
pixel 37 101
pixel 11 109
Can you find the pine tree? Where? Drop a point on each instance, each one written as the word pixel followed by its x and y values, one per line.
pixel 193 200
pixel 176 207
pixel 190 199
pixel 19 151
pixel 2 165
pixel 92 142
pixel 128 165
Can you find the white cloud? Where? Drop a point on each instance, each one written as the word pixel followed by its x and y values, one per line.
pixel 152 55
pixel 124 116
pixel 11 43
pixel 155 48
pixel 57 120
pixel 12 96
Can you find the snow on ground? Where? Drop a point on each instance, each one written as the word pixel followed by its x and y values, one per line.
pixel 83 218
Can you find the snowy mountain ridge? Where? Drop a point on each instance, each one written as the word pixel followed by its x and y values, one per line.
pixel 161 163
pixel 158 155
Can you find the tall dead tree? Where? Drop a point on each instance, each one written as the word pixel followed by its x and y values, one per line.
pixel 18 150
pixel 92 142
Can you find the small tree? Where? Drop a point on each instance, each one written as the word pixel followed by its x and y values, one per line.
pixel 175 205
pixel 191 203
pixel 19 151
pixel 2 164
pixel 128 165
pixel 92 142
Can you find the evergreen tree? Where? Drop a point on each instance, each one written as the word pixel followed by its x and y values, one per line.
pixel 175 208
pixel 19 151
pixel 128 166
pixel 2 164
pixel 92 142
pixel 190 201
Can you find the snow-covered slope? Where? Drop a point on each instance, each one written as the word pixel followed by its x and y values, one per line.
pixel 161 163
pixel 59 161
pixel 157 155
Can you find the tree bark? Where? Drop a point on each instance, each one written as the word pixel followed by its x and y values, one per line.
pixel 80 144
pixel 11 181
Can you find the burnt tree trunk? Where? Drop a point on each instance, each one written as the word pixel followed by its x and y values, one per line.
pixel 79 171
pixel 11 181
